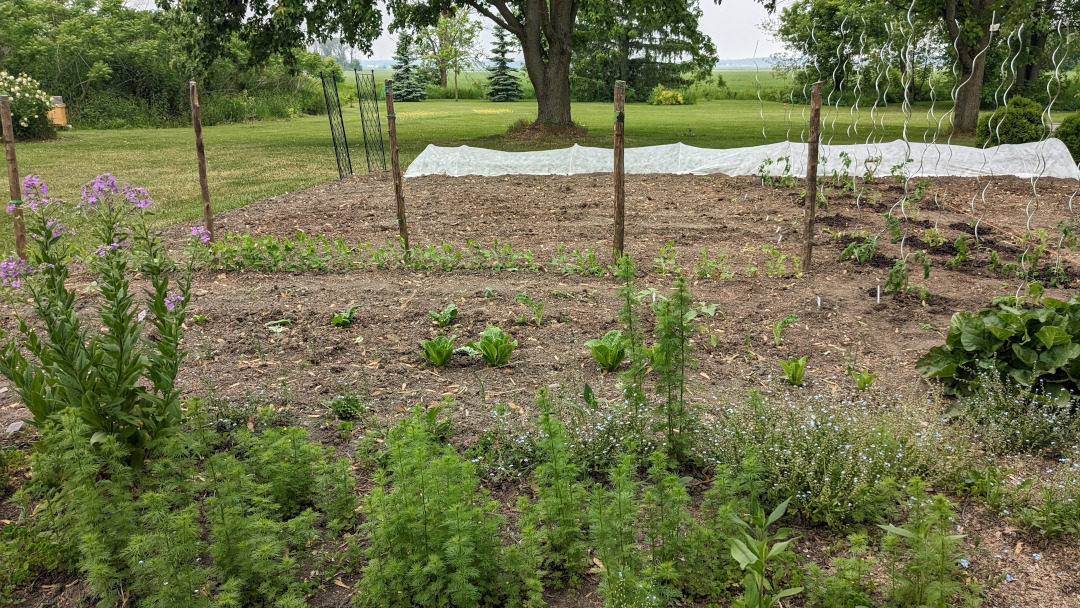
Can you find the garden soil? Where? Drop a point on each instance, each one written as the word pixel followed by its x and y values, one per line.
pixel 232 355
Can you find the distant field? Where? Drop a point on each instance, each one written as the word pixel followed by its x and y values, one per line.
pixel 737 79
pixel 251 161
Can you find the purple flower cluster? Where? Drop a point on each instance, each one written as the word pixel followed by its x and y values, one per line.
pixel 11 271
pixel 202 233
pixel 102 250
pixel 172 300
pixel 99 190
pixel 57 228
pixel 104 187
pixel 35 193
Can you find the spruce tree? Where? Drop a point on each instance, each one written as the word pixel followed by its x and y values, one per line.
pixel 407 85
pixel 503 84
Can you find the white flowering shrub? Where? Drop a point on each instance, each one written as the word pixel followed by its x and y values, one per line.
pixel 29 106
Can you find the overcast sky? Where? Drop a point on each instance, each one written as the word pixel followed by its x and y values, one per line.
pixel 735 28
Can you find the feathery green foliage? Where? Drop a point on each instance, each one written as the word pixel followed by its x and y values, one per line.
pixel 561 505
pixel 672 356
pixel 433 536
pixel 924 553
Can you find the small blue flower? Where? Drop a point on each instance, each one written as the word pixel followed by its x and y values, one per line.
pixel 964 563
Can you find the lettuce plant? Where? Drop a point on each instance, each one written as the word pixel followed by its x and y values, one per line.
pixel 495 346
pixel 609 351
pixel 438 351
pixel 446 317
pixel 794 370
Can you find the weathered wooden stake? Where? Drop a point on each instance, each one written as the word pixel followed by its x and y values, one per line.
pixel 14 187
pixel 811 175
pixel 395 162
pixel 196 121
pixel 620 168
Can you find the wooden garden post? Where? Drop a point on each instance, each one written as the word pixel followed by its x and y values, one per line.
pixel 620 169
pixel 196 121
pixel 395 162
pixel 811 175
pixel 13 175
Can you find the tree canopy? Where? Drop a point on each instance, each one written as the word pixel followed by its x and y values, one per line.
pixel 642 42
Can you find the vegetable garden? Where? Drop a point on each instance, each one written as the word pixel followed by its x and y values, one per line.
pixel 503 416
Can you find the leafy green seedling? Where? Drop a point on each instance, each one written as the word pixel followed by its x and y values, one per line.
pixel 439 350
pixel 344 319
pixel 609 351
pixel 537 307
pixel 495 346
pixel 755 554
pixel 781 325
pixel 199 318
pixel 278 326
pixel 346 407
pixel 863 379
pixel 446 317
pixel 489 293
pixel 794 370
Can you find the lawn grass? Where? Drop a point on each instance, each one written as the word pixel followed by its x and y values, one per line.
pixel 250 161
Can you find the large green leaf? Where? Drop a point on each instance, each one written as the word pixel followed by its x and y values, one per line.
pixel 1051 335
pixel 1058 356
pixel 938 363
pixel 976 339
pixel 1027 355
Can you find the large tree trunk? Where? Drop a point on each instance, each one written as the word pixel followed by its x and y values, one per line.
pixel 972 60
pixel 1027 78
pixel 969 97
pixel 446 14
pixel 546 36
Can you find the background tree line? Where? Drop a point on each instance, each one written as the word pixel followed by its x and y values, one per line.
pixel 119 67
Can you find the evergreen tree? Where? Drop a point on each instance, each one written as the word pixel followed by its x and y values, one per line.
pixel 407 85
pixel 502 84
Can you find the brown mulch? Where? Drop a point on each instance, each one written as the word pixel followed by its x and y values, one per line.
pixel 841 320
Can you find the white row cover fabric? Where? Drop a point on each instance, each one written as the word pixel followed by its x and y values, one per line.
pixel 1049 158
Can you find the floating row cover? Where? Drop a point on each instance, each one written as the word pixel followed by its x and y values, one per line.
pixel 1049 158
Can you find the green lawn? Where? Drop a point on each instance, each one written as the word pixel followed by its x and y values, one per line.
pixel 256 160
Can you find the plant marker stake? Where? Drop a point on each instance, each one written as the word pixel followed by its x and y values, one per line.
pixel 395 162
pixel 200 151
pixel 620 168
pixel 13 175
pixel 879 294
pixel 811 176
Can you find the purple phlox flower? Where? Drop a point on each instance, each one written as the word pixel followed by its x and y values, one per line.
pixel 202 233
pixel 137 195
pixel 104 249
pixel 99 190
pixel 35 193
pixel 172 300
pixel 12 270
pixel 57 228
